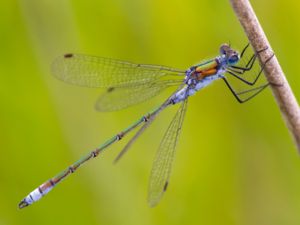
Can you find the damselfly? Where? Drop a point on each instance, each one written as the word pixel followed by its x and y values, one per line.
pixel 130 83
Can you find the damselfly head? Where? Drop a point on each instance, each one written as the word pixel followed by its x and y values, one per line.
pixel 231 56
pixel 224 49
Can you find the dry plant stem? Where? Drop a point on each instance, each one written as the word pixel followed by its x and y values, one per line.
pixel 281 90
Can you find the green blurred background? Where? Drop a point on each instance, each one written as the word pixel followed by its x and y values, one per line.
pixel 235 164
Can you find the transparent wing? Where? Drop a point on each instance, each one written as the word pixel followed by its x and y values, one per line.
pixel 122 97
pixel 91 71
pixel 151 118
pixel 161 170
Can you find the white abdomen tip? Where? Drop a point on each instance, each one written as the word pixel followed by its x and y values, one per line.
pixel 34 196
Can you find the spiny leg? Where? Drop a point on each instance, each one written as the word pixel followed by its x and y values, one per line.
pixel 251 83
pixel 244 50
pixel 236 94
pixel 247 67
pixel 250 62
pixel 252 89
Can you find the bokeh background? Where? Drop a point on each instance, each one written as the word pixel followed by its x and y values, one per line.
pixel 235 164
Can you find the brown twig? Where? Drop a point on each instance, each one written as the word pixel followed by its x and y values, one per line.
pixel 281 90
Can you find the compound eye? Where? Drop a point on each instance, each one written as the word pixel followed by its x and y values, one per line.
pixel 233 59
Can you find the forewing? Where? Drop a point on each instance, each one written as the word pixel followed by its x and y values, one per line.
pixel 91 71
pixel 122 97
pixel 161 169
